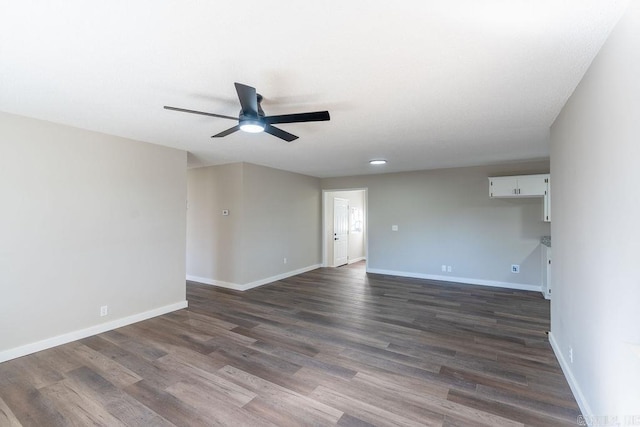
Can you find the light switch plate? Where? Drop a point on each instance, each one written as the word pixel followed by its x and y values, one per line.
pixel 394 228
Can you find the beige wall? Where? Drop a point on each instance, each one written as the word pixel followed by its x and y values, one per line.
pixel 446 217
pixel 595 150
pixel 214 241
pixel 275 215
pixel 87 220
pixel 282 220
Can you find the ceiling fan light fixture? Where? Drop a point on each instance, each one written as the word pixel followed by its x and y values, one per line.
pixel 252 126
pixel 378 162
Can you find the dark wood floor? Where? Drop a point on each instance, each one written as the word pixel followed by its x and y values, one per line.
pixel 328 347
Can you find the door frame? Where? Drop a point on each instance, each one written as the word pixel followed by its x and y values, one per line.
pixel 326 262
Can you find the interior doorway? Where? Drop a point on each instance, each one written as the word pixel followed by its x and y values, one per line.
pixel 339 248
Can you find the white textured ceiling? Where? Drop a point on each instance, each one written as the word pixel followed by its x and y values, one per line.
pixel 423 84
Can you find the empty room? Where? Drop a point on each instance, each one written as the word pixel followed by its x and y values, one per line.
pixel 333 213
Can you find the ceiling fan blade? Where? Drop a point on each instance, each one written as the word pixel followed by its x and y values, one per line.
pixel 279 133
pixel 227 132
pixel 184 110
pixel 248 99
pixel 316 116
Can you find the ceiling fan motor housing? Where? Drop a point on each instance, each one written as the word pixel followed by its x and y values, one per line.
pixel 249 121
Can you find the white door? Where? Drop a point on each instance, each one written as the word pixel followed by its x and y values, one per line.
pixel 340 231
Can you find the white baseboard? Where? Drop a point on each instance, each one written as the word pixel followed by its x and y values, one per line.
pixel 568 374
pixel 465 280
pixel 254 284
pixel 207 281
pixel 354 260
pixel 14 353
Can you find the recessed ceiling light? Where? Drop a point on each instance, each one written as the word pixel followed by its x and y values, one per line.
pixel 377 162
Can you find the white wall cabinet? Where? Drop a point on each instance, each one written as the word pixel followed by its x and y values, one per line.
pixel 518 186
pixel 523 186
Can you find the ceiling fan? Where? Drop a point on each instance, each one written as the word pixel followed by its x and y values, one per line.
pixel 252 118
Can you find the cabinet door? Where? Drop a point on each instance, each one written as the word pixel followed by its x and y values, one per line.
pixel 547 202
pixel 503 187
pixel 533 185
pixel 547 294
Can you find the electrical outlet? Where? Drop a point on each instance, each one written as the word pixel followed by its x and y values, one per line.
pixel 571 354
pixel 104 310
pixel 444 268
pixel 448 269
pixel 394 228
pixel 284 261
pixel 515 268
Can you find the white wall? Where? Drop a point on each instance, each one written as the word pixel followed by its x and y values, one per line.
pixel 446 217
pixel 273 215
pixel 87 220
pixel 356 238
pixel 596 238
